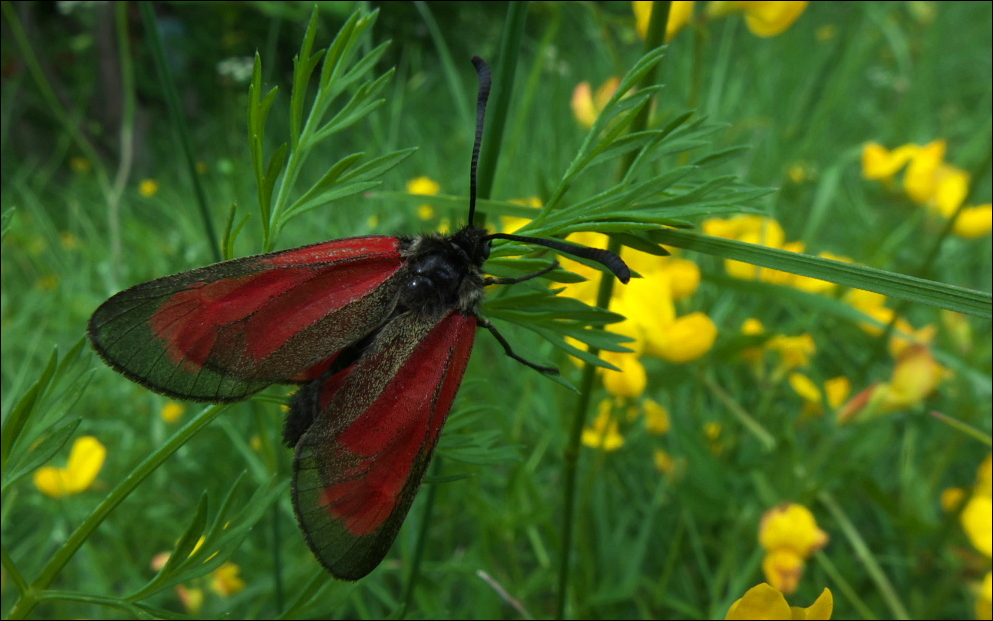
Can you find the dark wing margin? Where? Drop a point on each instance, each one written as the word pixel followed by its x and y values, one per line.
pixel 358 468
pixel 225 331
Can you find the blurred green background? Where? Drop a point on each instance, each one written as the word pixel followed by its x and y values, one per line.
pixel 675 542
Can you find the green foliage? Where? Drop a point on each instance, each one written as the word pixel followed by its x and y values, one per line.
pixel 729 123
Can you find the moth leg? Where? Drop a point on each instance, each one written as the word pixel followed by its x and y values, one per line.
pixel 491 280
pixel 510 352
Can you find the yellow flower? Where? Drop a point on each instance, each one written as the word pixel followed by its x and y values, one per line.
pixel 931 182
pixel 679 15
pixel 192 598
pixel 928 181
pixel 984 598
pixel 225 580
pixel 765 602
pixel 586 106
pixel 783 568
pixel 881 164
pixel 794 351
pixel 951 190
pixel 425 211
pixel 148 188
pixel 684 277
pixel 656 417
pixel 172 411
pixel 977 521
pixel 974 222
pixel 792 526
pixel 85 461
pixel 921 179
pixel 687 338
pixel 789 535
pixel 915 376
pixel 768 19
pixel 427 187
pixel 604 433
pixel 837 390
pixel 905 336
pixel 630 381
pixel 764 19
pixel 664 461
pixel 423 185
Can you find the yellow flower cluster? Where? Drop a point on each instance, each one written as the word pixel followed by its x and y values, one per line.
pixel 224 581
pixel 930 182
pixel 765 231
pixel 789 535
pixel 605 434
pixel 427 187
pixel 977 522
pixel 764 19
pixel 649 303
pixel 793 353
pixel 916 374
pixel 586 106
pixel 653 324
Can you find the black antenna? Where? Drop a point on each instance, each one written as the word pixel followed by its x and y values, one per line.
pixel 483 71
pixel 605 258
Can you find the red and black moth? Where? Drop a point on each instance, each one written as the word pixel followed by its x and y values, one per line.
pixel 377 329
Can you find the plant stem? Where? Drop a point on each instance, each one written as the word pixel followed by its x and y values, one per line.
pixel 570 457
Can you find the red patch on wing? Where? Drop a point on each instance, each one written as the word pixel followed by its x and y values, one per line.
pixel 399 428
pixel 272 305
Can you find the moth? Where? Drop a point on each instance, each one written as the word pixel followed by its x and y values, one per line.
pixel 377 330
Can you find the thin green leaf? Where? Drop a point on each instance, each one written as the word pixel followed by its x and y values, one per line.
pixel 950 297
pixel 379 166
pixel 357 108
pixel 37 454
pixel 16 420
pixel 303 67
pixel 334 194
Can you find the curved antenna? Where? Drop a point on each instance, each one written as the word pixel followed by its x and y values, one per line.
pixel 483 71
pixel 605 258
